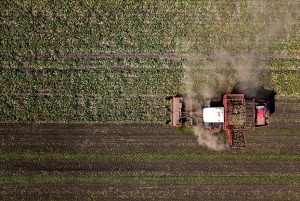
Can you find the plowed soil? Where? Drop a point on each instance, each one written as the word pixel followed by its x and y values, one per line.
pixel 148 162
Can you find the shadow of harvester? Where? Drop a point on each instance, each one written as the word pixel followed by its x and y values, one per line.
pixel 252 91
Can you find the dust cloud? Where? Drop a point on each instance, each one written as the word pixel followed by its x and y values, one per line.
pixel 211 141
pixel 255 27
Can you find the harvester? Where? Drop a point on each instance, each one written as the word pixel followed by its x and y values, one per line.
pixel 233 113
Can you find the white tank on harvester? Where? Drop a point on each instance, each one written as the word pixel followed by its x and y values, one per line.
pixel 213 115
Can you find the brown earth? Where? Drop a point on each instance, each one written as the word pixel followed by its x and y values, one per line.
pixel 128 151
pixel 111 191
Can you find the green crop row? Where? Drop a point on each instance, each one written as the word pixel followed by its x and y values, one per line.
pixel 46 29
pixel 149 156
pixel 70 83
pixel 282 64
pixel 73 96
pixel 35 32
pixel 66 35
pixel 110 62
pixel 99 178
pixel 284 83
pixel 123 95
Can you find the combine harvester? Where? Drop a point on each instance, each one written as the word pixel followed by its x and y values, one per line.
pixel 233 114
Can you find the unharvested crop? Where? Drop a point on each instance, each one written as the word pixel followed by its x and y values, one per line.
pixel 114 61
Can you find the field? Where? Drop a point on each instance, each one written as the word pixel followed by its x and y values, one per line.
pixel 82 85
pixel 144 161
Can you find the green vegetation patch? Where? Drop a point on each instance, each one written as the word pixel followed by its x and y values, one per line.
pixel 45 42
pixel 148 156
pixel 119 178
pixel 290 132
pixel 286 83
pixel 86 96
pixel 284 64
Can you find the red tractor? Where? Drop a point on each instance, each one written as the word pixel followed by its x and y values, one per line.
pixel 233 113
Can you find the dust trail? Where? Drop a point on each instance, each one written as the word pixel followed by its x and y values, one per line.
pixel 247 35
pixel 211 141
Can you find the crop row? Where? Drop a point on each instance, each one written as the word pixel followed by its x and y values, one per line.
pixel 85 27
pixel 45 30
pixel 99 178
pixel 82 61
pixel 151 156
pixel 221 191
pixel 284 64
pixel 85 96
pixel 80 83
pixel 284 83
pixel 81 95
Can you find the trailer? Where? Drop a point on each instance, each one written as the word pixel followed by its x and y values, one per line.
pixel 233 113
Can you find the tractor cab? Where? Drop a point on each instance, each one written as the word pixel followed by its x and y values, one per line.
pixel 213 118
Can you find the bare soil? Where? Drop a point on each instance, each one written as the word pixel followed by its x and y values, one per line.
pixel 135 150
